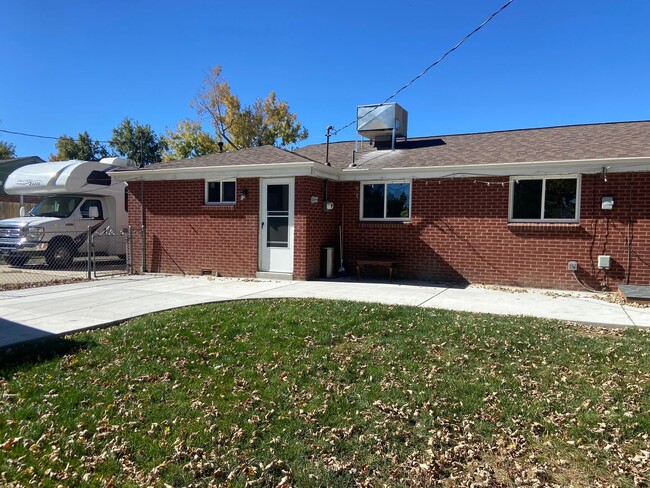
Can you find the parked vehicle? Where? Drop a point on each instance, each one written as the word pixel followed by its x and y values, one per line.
pixel 77 195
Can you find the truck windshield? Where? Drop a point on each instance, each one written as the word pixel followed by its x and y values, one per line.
pixel 55 207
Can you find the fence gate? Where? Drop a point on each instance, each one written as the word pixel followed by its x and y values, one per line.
pixel 67 257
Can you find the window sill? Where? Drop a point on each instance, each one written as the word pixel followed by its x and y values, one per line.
pixel 224 206
pixel 543 225
pixel 382 224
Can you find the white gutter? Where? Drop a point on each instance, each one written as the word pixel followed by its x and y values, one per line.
pixel 611 165
pixel 584 166
pixel 235 171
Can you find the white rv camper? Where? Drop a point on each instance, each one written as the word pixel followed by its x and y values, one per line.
pixel 78 195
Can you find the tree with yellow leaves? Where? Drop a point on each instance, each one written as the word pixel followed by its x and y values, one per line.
pixel 266 122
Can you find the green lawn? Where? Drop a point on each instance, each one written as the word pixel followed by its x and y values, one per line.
pixel 318 393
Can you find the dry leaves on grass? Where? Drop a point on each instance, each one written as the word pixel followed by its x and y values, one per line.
pixel 299 393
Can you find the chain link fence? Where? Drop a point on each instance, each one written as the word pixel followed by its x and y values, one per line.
pixel 63 256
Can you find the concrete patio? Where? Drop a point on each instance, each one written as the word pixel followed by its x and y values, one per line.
pixel 36 313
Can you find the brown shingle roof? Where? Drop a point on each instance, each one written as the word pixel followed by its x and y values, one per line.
pixel 255 155
pixel 568 143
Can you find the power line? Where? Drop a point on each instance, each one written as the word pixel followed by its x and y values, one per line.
pixel 336 131
pixel 46 137
pixel 439 60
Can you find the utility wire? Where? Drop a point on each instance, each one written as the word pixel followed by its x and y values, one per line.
pixel 46 137
pixel 336 131
pixel 439 60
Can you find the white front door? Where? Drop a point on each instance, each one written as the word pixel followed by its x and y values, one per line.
pixel 276 225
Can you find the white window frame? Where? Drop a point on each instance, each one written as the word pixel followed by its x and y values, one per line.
pixel 221 182
pixel 511 198
pixel 385 183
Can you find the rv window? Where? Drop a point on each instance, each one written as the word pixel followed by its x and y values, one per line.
pixel 98 178
pixel 85 209
pixel 61 207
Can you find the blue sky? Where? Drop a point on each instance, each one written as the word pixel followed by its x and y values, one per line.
pixel 85 65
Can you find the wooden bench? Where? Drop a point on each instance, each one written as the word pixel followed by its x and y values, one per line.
pixel 385 263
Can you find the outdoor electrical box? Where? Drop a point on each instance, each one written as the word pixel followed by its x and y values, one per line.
pixel 604 262
pixel 607 203
pixel 572 266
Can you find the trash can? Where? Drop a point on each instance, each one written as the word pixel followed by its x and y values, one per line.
pixel 327 262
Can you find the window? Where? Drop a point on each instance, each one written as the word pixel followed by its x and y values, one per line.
pixel 386 201
pixel 550 199
pixel 220 192
pixel 61 207
pixel 98 178
pixel 85 209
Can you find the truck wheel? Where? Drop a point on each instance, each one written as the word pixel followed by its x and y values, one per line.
pixel 59 256
pixel 16 260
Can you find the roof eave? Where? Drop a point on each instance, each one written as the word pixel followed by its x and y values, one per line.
pixel 235 171
pixel 612 165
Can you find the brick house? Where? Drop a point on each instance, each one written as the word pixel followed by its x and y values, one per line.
pixel 516 207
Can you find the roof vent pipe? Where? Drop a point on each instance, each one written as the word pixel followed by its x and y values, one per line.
pixel 327 145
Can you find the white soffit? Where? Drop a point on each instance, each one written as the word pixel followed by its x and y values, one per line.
pixel 614 165
pixel 235 171
pixel 623 165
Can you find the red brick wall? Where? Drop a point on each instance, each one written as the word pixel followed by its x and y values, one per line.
pixel 314 228
pixel 185 236
pixel 460 232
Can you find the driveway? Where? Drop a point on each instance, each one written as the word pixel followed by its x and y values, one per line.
pixel 35 313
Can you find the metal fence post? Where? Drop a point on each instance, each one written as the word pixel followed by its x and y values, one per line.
pixel 144 250
pixel 88 247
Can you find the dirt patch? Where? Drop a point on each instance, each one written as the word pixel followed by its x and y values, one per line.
pixel 618 298
pixel 21 286
pixel 507 289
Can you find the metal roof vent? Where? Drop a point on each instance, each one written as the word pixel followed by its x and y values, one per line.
pixel 382 122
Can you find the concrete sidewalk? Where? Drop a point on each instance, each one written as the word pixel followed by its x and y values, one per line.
pixel 36 313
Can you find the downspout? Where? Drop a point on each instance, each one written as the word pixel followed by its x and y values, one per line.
pixel 629 234
pixel 327 162
pixel 143 235
pixel 326 199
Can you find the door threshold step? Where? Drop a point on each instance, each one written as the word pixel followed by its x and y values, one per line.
pixel 274 275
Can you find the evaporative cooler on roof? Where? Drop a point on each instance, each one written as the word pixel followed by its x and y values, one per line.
pixel 382 122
